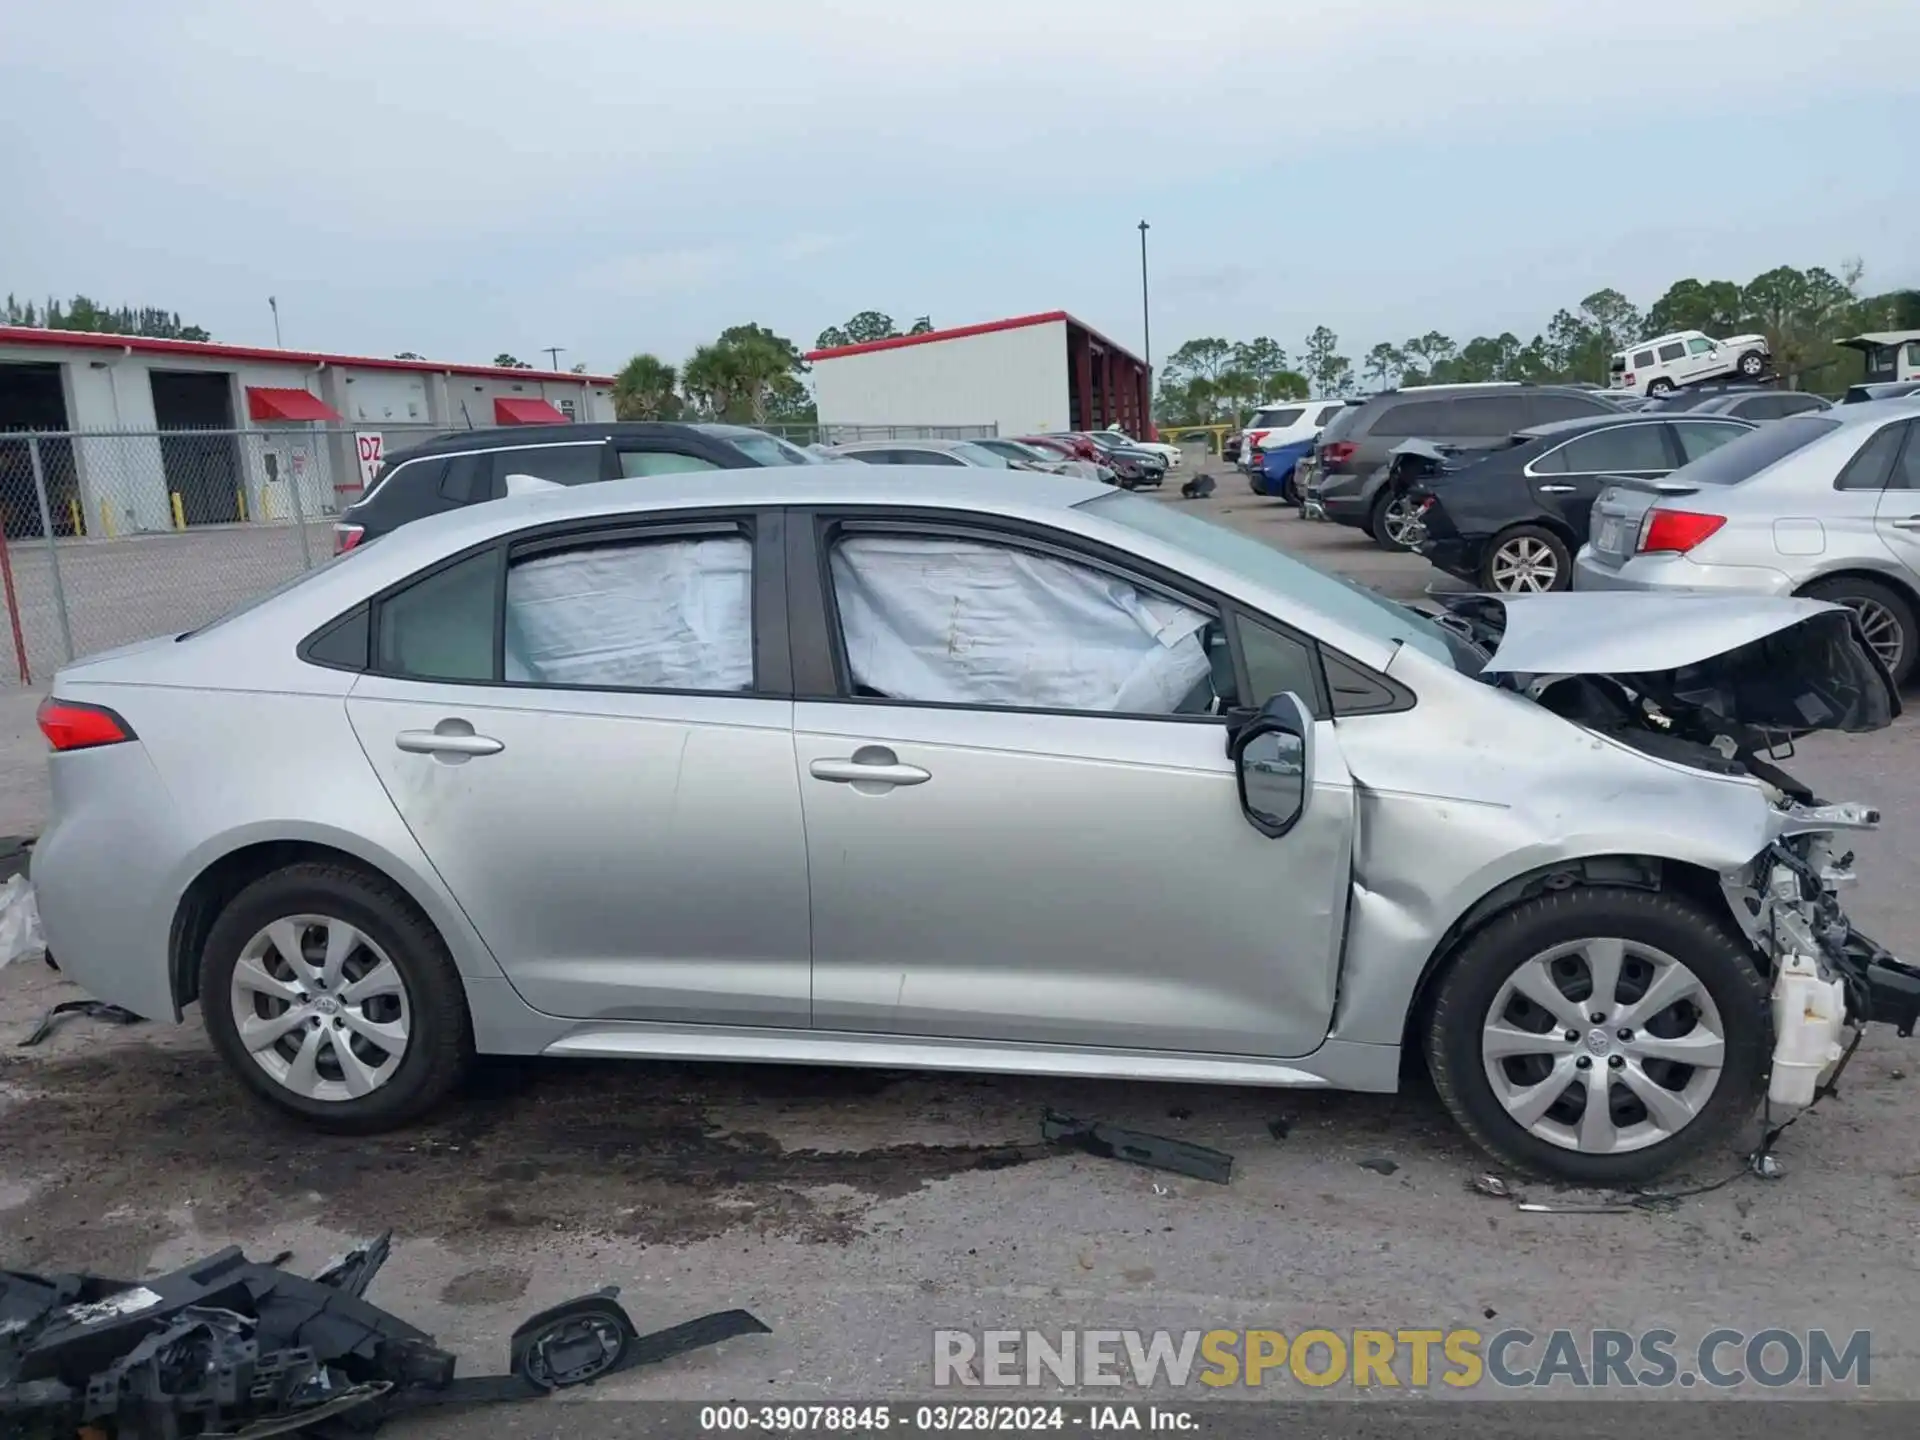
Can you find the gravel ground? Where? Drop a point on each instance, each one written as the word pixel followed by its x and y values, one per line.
pixel 858 1211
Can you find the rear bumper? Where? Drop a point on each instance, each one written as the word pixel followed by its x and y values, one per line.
pixel 1455 556
pixel 1678 574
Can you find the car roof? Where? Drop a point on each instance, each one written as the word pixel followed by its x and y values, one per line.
pixel 1548 429
pixel 1868 412
pixel 514 437
pixel 909 442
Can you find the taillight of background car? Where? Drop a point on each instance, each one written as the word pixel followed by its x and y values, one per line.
pixel 345 537
pixel 1674 532
pixel 69 725
pixel 1337 452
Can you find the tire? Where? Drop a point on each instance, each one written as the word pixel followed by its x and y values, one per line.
pixel 429 1009
pixel 1884 613
pixel 1752 364
pixel 1654 930
pixel 1526 552
pixel 1381 522
pixel 1288 493
pixel 1662 386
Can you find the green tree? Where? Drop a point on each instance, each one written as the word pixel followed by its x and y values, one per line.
pixel 409 355
pixel 1204 358
pixel 1262 360
pixel 81 313
pixel 1715 306
pixel 504 361
pixel 1425 354
pixel 646 389
pixel 1384 364
pixel 748 375
pixel 922 326
pixel 866 327
pixel 1326 369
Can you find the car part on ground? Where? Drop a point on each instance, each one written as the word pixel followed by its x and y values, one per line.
pixel 1825 504
pixel 230 1346
pixel 1156 1152
pixel 823 686
pixel 1511 517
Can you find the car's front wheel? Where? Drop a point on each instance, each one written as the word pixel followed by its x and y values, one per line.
pixel 1753 364
pixel 331 996
pixel 1601 1036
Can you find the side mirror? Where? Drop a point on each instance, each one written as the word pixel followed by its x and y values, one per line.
pixel 1273 762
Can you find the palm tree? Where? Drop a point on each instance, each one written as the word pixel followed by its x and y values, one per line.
pixel 645 389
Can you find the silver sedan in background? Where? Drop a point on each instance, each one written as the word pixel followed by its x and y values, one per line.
pixel 845 766
pixel 1825 505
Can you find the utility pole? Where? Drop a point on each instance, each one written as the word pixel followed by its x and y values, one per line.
pixel 1146 323
pixel 274 305
pixel 553 354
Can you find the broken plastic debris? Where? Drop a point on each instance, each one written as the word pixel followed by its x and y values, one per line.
pixel 1766 1165
pixel 1279 1129
pixel 1380 1165
pixel 19 921
pixel 1534 1207
pixel 227 1345
pixel 1492 1185
pixel 92 1009
pixel 1111 1142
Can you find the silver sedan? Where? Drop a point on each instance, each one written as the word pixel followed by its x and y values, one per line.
pixel 1825 505
pixel 1013 773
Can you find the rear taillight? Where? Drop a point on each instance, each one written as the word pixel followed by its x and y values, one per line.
pixel 345 537
pixel 1254 437
pixel 1675 532
pixel 69 725
pixel 1337 452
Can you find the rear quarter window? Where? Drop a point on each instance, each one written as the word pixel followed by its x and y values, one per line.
pixel 1276 419
pixel 1413 417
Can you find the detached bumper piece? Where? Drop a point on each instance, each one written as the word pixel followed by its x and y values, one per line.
pixel 1892 985
pixel 228 1346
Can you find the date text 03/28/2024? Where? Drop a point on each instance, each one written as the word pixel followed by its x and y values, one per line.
pixel 939 1419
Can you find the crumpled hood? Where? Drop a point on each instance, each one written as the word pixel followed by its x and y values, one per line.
pixel 1773 664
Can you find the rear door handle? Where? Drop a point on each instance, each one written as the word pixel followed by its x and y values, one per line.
pixel 446 740
pixel 869 765
pixel 1558 489
pixel 1907 522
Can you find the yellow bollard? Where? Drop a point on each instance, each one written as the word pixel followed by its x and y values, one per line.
pixel 106 519
pixel 179 515
pixel 240 501
pixel 73 514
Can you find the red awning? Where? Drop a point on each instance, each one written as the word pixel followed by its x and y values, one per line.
pixel 526 412
pixel 267 403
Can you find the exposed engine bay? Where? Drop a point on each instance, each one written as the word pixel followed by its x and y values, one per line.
pixel 1736 711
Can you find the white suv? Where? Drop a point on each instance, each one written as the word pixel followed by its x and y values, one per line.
pixel 1283 423
pixel 1688 357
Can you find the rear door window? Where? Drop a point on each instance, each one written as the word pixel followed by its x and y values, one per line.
pixel 1870 468
pixel 441 626
pixel 1643 359
pixel 1543 409
pixel 1412 417
pixel 1327 412
pixel 561 464
pixel 661 462
pixel 1906 470
pixel 1483 417
pixel 1624 448
pixel 1669 353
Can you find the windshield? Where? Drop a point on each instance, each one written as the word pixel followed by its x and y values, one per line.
pixel 1346 601
pixel 1014 450
pixel 772 450
pixel 1745 457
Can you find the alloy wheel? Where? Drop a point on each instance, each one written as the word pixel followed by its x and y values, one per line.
pixel 1882 629
pixel 320 1008
pixel 1524 565
pixel 1603 1046
pixel 1401 523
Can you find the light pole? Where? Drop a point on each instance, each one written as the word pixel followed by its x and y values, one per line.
pixel 553 354
pixel 274 305
pixel 1146 325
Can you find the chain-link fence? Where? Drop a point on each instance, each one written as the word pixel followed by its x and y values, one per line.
pixel 112 536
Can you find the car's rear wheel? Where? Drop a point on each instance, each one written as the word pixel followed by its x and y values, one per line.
pixel 1662 386
pixel 1526 560
pixel 1753 364
pixel 1601 1036
pixel 332 997
pixel 1884 615
pixel 1393 524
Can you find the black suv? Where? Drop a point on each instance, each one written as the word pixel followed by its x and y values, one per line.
pixel 1346 480
pixel 472 465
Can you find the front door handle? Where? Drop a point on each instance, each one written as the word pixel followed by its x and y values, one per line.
pixel 869 765
pixel 1558 489
pixel 449 737
pixel 1907 522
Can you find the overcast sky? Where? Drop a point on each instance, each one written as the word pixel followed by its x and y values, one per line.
pixel 621 175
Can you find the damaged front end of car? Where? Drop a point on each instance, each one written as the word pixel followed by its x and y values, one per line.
pixel 1726 685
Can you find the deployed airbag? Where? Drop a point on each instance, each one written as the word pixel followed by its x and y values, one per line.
pixel 959 622
pixel 675 615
